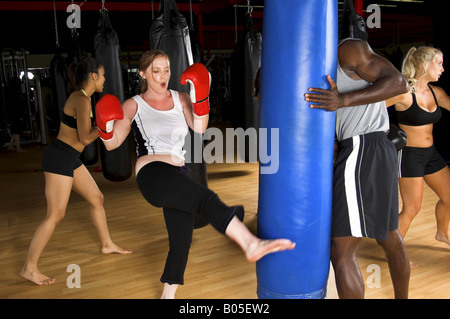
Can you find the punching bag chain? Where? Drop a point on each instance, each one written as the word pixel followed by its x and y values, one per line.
pixel 56 24
pixel 153 12
pixel 249 8
pixel 235 24
pixel 191 27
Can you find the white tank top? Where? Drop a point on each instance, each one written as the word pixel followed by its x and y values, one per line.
pixel 159 132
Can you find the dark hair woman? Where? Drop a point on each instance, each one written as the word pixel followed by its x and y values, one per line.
pixel 64 171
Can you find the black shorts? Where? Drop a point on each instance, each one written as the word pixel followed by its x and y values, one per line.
pixel 418 162
pixel 61 158
pixel 365 187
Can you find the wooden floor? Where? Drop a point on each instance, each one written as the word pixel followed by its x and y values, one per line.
pixel 216 269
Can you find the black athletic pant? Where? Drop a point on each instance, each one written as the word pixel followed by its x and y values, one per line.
pixel 168 186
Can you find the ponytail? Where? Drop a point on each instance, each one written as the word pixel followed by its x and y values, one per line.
pixel 414 59
pixel 78 73
pixel 409 68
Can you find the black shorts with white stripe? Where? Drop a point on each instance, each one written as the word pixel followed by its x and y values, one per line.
pixel 365 187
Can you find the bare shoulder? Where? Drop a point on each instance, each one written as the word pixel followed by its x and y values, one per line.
pixel 129 108
pixel 441 96
pixel 353 49
pixel 438 91
pixel 358 60
pixel 353 53
pixel 184 96
pixel 354 43
pixel 77 104
pixel 401 102
pixel 185 99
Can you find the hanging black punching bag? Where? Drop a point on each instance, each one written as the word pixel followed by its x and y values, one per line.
pixel 89 156
pixel 169 32
pixel 58 71
pixel 246 60
pixel 116 164
pixel 197 50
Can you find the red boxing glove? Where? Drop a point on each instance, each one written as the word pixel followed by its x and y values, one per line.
pixel 200 79
pixel 107 110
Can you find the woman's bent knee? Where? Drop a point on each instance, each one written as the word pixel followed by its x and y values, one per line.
pixel 97 200
pixel 55 217
pixel 411 211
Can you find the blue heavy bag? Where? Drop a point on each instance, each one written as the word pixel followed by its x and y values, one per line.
pixel 299 49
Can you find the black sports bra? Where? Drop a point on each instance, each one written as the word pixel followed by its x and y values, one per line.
pixel 71 121
pixel 416 116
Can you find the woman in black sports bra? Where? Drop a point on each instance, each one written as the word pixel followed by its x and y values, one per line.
pixel 416 112
pixel 64 171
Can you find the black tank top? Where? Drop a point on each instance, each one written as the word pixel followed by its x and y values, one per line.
pixel 71 121
pixel 416 116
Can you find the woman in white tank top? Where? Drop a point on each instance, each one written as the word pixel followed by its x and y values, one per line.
pixel 160 119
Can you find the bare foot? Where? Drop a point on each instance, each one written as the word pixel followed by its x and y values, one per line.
pixel 112 248
pixel 36 277
pixel 443 238
pixel 260 248
pixel 169 291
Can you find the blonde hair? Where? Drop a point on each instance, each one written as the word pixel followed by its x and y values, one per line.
pixel 414 59
pixel 146 60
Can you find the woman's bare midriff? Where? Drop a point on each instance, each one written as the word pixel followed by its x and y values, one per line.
pixel 69 136
pixel 418 136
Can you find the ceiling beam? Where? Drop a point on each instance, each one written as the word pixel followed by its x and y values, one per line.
pixel 90 6
pixel 209 6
